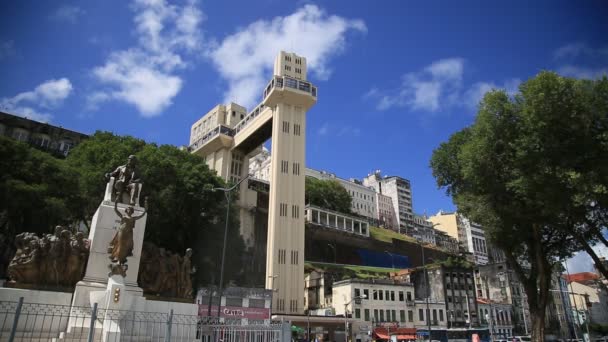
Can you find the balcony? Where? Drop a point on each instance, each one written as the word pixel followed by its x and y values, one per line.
pixel 290 90
pixel 220 136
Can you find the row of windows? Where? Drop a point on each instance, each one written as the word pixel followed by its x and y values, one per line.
pixel 381 295
pixel 298 70
pixel 295 257
pixel 297 61
pixel 296 128
pixel 295 211
pixel 293 305
pixel 285 167
pixel 361 195
pixel 458 286
pixel 479 245
pixel 283 209
pixel 391 315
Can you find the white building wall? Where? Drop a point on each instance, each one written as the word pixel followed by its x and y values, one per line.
pixel 363 197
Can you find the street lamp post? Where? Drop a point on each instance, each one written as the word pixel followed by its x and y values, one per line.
pixel 346 315
pixel 228 194
pixel 428 288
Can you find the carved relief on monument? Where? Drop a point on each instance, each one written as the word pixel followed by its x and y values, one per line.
pixel 164 273
pixel 55 260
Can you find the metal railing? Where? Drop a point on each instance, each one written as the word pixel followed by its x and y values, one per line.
pixel 22 321
pixel 220 129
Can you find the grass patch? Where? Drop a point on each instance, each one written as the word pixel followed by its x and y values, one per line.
pixel 388 235
pixel 352 271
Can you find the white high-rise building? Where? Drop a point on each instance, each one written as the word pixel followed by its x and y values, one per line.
pixel 227 138
pixel 399 190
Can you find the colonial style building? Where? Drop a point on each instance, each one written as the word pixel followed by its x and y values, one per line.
pixel 53 139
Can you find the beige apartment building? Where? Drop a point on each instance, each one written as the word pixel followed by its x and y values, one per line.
pixel 469 234
pixel 227 137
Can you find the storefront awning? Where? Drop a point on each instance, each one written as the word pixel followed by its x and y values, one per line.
pixel 400 333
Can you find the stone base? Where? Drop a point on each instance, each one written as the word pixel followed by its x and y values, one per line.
pixel 83 289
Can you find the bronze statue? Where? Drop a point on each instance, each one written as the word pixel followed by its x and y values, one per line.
pixel 126 181
pixel 186 271
pixel 49 260
pixel 121 245
pixel 164 273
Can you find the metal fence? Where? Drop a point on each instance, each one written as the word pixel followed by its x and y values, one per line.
pixel 21 321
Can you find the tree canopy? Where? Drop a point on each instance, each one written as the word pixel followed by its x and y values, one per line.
pixel 328 194
pixel 39 191
pixel 533 170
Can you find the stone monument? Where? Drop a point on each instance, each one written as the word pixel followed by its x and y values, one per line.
pixel 124 232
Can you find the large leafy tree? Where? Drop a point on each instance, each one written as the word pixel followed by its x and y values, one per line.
pixel 328 194
pixel 37 190
pixel 182 212
pixel 533 170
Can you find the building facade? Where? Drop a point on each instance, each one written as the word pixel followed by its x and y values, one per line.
pixel 451 285
pixel 383 307
pixel 53 139
pixel 497 284
pixel 387 217
pixel 363 197
pixel 227 137
pixel 423 230
pixel 470 235
pixel 400 191
pixel 496 317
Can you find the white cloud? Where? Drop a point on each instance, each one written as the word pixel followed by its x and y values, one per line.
pixel 67 13
pixel 145 75
pixel 582 71
pixel 47 95
pixel 245 58
pixel 475 93
pixel 339 130
pixel 582 262
pixel 324 129
pixel 432 88
pixel 575 50
pixel 7 49
pixel 582 61
pixel 436 87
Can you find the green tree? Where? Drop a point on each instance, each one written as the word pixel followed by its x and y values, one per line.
pixel 182 212
pixel 328 194
pixel 533 171
pixel 37 190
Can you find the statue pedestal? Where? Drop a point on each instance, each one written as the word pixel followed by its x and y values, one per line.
pixel 103 227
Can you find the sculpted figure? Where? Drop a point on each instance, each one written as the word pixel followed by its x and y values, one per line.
pixel 121 245
pixel 126 181
pixel 185 275
pixel 77 258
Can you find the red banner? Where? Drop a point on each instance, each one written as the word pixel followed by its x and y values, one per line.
pixel 235 312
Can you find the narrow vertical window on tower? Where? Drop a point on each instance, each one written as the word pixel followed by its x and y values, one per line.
pixel 285 127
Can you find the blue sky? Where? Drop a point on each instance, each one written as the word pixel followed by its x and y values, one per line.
pixel 395 78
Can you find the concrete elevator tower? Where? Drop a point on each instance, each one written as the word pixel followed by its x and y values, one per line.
pixel 290 97
pixel 227 137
